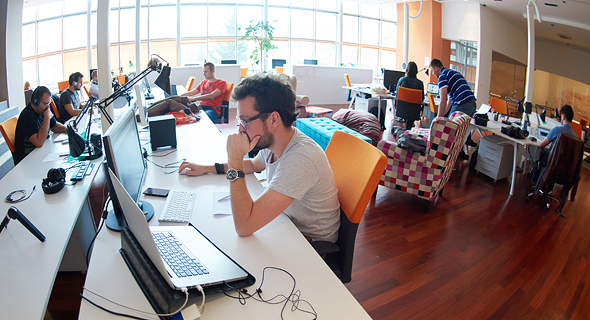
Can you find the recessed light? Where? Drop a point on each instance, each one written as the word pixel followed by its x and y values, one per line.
pixel 550 4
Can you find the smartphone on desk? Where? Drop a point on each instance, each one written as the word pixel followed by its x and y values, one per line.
pixel 156 192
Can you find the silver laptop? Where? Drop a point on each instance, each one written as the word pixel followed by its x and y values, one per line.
pixel 214 266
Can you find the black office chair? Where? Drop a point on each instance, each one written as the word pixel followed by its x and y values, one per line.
pixel 564 165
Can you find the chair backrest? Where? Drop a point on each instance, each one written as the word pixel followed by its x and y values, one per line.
pixel 584 122
pixel 121 79
pixel 577 128
pixel 279 70
pixel 86 90
pixel 293 82
pixel 409 95
pixel 189 83
pixel 564 161
pixel 62 85
pixel 409 103
pixel 499 105
pixel 433 106
pixel 356 179
pixel 230 88
pixel 8 129
pixel 54 109
pixel 243 72
pixel 347 80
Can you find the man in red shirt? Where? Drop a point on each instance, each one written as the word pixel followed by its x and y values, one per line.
pixel 209 92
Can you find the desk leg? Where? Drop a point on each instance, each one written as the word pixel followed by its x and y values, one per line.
pixel 514 167
pixel 351 102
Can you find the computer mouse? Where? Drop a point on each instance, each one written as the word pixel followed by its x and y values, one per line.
pixel 184 171
pixel 533 139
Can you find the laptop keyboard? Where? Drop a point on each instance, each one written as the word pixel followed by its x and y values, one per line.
pixel 178 206
pixel 172 253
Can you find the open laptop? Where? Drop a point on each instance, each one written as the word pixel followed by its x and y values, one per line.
pixel 432 88
pixel 214 266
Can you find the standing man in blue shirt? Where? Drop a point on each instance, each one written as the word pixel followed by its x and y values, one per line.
pixel 454 91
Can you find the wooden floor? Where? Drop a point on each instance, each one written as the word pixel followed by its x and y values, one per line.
pixel 478 254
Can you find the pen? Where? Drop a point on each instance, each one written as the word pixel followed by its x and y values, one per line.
pixel 224 198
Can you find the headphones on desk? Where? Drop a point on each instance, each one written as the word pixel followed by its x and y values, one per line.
pixel 55 181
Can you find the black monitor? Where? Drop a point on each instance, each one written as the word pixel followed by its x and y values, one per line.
pixel 124 156
pixel 278 63
pixel 310 61
pixel 390 79
pixel 229 62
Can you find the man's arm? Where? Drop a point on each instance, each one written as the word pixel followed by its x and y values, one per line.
pixel 445 101
pixel 38 139
pixel 208 96
pixel 544 142
pixel 192 92
pixel 250 166
pixel 58 128
pixel 70 109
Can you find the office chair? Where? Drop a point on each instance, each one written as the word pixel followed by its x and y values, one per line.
pixel 243 72
pixel 54 109
pixel 348 91
pixel 87 91
pixel 8 129
pixel 500 106
pixel 62 85
pixel 224 117
pixel 279 70
pixel 564 165
pixel 356 179
pixel 409 105
pixel 189 83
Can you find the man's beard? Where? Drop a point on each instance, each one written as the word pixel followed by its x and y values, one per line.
pixel 266 140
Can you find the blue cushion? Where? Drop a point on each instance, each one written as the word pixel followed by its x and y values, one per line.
pixel 322 129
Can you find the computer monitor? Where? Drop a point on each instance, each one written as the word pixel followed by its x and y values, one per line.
pixel 229 62
pixel 432 88
pixel 390 79
pixel 124 157
pixel 310 61
pixel 278 63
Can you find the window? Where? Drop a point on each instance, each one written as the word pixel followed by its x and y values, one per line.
pixel 28 44
pixel 225 25
pixel 301 24
pixel 350 29
pixel 193 23
pixel 47 41
pixel 162 22
pixel 326 26
pixel 75 28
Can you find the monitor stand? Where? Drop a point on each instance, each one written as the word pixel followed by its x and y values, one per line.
pixel 117 223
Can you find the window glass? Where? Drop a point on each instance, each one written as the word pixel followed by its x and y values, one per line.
pixel 114 4
pixel 225 49
pixel 303 4
pixel 48 36
pixel 389 34
pixel 224 24
pixel 251 2
pixel 75 6
pixel 245 49
pixel 193 21
pixel 350 7
pixel 389 14
pixel 114 60
pixel 127 25
pixel 127 57
pixel 94 5
pixel 29 14
pixel 114 26
pixel 282 52
pixel 328 5
pixel 49 10
pixel 223 1
pixel 162 22
pixel 279 19
pixel 301 50
pixel 388 59
pixel 143 24
pixel 370 32
pixel 301 24
pixel 75 31
pixel 193 1
pixel 76 61
pixel 193 52
pixel 93 29
pixel 165 49
pixel 153 2
pixel 50 70
pixel 30 72
pixel 247 14
pixel 278 2
pixel 127 3
pixel 370 11
pixel 326 26
pixel 350 56
pixel 350 29
pixel 370 58
pixel 325 53
pixel 28 43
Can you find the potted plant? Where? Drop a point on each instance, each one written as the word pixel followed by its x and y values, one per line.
pixel 261 33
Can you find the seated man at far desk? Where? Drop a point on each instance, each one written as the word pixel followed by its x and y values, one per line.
pixel 69 100
pixel 34 122
pixel 567 116
pixel 211 92
pixel 301 182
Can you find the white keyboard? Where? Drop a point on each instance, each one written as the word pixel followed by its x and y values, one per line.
pixel 178 206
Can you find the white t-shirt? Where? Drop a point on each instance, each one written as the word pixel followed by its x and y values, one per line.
pixel 303 173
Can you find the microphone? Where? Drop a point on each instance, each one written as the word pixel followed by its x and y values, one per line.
pixel 14 213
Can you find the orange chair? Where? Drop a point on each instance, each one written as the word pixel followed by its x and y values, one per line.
pixel 279 70
pixel 243 72
pixel 499 105
pixel 584 122
pixel 86 90
pixel 577 128
pixel 62 85
pixel 433 106
pixel 8 129
pixel 356 179
pixel 224 118
pixel 121 79
pixel 409 105
pixel 189 83
pixel 348 91
pixel 347 80
pixel 54 109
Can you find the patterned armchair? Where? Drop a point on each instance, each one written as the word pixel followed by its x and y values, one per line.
pixel 426 175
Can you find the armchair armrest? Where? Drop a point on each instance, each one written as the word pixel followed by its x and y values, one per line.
pixel 324 247
pixel 397 153
pixel 303 98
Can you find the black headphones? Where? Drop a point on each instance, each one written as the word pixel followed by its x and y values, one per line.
pixel 55 181
pixel 34 98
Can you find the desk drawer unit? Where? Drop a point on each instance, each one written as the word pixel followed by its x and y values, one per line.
pixel 494 157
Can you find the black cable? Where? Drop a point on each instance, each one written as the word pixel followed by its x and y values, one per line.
pixel 102 221
pixel 23 197
pixel 112 312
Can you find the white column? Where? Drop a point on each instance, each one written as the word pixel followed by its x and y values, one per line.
pixel 11 68
pixel 104 57
pixel 531 54
pixel 406 33
pixel 178 55
pixel 88 37
pixel 137 37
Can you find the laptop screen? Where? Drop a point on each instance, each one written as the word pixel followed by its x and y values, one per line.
pixel 432 88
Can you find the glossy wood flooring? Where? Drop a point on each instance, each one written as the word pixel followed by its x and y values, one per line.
pixel 478 254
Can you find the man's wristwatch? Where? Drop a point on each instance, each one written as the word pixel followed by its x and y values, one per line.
pixel 233 174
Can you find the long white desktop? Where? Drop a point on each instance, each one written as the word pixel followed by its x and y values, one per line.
pixel 279 244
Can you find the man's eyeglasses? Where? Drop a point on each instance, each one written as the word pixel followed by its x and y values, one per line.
pixel 244 123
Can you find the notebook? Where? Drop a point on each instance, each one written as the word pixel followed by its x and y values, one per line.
pixel 219 267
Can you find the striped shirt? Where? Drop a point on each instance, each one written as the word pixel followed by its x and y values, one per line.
pixel 458 89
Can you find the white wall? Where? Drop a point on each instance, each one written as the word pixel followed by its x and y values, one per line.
pixel 460 21
pixel 541 87
pixel 323 84
pixel 562 60
pixel 11 81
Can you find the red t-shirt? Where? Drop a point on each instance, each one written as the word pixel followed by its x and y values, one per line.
pixel 206 87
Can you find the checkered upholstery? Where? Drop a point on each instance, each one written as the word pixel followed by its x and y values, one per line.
pixel 425 175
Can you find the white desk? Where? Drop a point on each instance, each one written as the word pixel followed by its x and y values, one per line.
pixel 366 88
pixel 28 266
pixel 278 244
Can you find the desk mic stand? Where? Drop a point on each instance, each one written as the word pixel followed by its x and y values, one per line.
pixel 14 213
